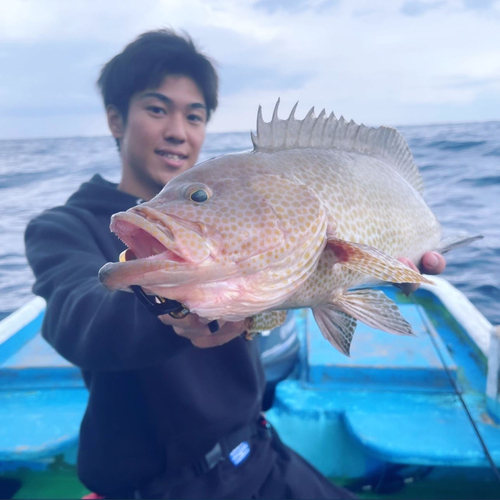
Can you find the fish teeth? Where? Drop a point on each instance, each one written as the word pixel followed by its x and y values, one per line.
pixel 157 249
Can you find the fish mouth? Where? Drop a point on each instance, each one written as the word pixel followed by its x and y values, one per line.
pixel 145 239
pixel 151 234
pixel 157 241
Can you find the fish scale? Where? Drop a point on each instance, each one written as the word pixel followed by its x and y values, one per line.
pixel 318 209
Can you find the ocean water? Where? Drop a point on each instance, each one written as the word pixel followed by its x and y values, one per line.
pixel 460 164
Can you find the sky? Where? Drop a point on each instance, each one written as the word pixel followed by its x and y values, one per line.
pixel 378 62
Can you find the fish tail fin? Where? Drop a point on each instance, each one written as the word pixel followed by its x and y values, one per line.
pixel 456 241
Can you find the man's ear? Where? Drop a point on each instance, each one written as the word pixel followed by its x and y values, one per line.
pixel 116 123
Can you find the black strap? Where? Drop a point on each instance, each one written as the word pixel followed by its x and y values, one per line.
pixel 228 443
pixel 165 306
pixel 223 448
pixel 219 452
pixel 156 308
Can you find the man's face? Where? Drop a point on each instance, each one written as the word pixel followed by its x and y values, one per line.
pixel 162 136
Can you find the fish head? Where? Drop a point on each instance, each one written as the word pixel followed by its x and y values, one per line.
pixel 214 224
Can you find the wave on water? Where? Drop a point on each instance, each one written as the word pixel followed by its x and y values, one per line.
pixel 459 164
pixel 456 145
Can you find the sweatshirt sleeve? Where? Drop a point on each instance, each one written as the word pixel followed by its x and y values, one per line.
pixel 93 328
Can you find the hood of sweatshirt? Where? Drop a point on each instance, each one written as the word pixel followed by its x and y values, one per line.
pixel 101 196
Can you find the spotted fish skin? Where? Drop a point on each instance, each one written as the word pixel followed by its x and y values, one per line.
pixel 317 209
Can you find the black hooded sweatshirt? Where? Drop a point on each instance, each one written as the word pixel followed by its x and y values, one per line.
pixel 149 389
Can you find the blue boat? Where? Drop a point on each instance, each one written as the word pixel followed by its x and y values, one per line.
pixel 408 416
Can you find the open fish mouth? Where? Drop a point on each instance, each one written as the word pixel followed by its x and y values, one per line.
pixel 160 243
pixel 151 234
pixel 145 239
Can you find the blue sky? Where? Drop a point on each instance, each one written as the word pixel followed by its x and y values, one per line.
pixel 391 62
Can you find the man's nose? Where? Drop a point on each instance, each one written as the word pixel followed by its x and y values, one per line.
pixel 175 131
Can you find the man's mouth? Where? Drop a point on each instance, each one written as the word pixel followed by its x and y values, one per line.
pixel 171 156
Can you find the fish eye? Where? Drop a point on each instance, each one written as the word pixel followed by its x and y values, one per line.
pixel 198 195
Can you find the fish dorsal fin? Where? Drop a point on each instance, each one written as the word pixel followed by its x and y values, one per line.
pixel 332 133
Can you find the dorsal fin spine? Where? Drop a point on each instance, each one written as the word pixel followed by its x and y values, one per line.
pixel 332 133
pixel 317 129
pixel 291 119
pixel 324 121
pixel 275 112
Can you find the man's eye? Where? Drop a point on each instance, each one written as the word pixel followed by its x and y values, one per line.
pixel 196 118
pixel 156 109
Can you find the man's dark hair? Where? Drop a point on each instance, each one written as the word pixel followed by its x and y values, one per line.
pixel 146 61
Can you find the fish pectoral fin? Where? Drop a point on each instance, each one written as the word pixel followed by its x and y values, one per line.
pixel 375 309
pixel 368 260
pixel 265 321
pixel 336 326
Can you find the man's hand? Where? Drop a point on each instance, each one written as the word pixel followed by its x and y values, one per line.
pixel 431 263
pixel 196 330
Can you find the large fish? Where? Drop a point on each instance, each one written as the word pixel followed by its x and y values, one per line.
pixel 316 213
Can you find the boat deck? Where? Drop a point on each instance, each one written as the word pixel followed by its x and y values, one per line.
pixel 42 396
pixel 415 400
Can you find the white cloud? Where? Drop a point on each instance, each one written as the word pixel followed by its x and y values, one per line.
pixel 362 58
pixel 419 7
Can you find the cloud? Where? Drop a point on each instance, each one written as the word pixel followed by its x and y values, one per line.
pixel 294 6
pixel 240 77
pixel 419 7
pixel 478 4
pixel 48 78
pixel 272 6
pixel 371 60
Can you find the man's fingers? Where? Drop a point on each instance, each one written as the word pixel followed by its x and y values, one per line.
pixel 233 327
pixel 192 331
pixel 190 321
pixel 198 332
pixel 228 332
pixel 408 288
pixel 409 263
pixel 433 263
pixel 213 340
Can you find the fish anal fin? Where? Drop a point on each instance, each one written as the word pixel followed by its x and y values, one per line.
pixel 336 326
pixel 375 309
pixel 369 260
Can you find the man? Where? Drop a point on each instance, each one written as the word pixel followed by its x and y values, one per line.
pixel 165 416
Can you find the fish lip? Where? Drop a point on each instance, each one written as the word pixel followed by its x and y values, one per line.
pixel 121 275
